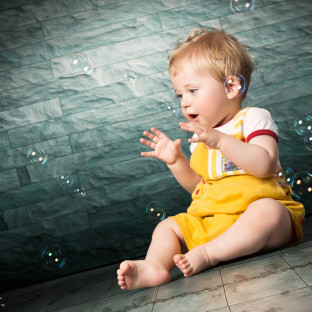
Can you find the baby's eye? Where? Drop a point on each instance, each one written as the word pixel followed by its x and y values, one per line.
pixel 179 96
pixel 193 90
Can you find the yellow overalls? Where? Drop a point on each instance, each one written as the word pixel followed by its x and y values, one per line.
pixel 224 194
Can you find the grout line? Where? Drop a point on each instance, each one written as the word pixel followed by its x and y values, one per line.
pixel 227 302
pixel 269 296
pixel 95 305
pixel 155 299
pixel 295 271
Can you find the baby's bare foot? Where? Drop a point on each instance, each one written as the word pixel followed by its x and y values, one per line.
pixel 141 273
pixel 193 262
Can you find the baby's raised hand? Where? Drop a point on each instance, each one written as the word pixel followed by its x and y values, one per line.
pixel 163 147
pixel 210 136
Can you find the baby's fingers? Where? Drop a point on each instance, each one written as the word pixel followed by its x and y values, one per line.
pixel 194 140
pixel 158 134
pixel 148 143
pixel 151 136
pixel 188 126
pixel 148 154
pixel 177 142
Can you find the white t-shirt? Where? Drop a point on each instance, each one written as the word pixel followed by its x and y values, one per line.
pixel 257 121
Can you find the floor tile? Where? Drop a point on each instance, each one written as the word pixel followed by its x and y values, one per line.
pixel 227 309
pixel 40 294
pixel 250 258
pixel 140 301
pixel 102 275
pixel 201 292
pixel 116 290
pixel 301 262
pixel 259 279
pixel 298 300
pixel 87 283
pixel 30 306
pixel 203 280
pixel 79 297
pixel 84 307
pixel 37 296
pixel 253 269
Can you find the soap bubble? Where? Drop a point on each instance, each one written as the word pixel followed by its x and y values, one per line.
pixel 2 305
pixel 80 64
pixel 37 156
pixel 240 81
pixel 301 184
pixel 173 111
pixel 65 180
pixel 156 211
pixel 52 257
pixel 238 6
pixel 303 125
pixel 279 177
pixel 80 192
pixel 308 142
pixel 128 78
pixel 283 177
pixel 289 173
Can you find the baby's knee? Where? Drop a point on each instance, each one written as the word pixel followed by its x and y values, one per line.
pixel 169 225
pixel 164 225
pixel 268 210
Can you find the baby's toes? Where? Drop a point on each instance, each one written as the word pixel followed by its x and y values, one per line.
pixel 122 283
pixel 184 264
pixel 120 275
pixel 178 258
pixel 187 272
pixel 183 261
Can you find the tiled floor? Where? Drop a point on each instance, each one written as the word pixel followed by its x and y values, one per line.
pixel 277 281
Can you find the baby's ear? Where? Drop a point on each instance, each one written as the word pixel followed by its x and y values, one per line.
pixel 233 86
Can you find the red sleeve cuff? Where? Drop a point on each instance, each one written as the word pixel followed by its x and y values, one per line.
pixel 262 132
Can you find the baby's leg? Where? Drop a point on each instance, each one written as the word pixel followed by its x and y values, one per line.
pixel 266 224
pixel 167 241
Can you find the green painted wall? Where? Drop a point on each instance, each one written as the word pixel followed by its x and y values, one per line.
pixel 89 125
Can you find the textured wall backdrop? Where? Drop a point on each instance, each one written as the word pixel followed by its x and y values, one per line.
pixel 89 125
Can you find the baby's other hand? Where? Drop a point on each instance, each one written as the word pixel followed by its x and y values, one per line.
pixel 163 147
pixel 210 136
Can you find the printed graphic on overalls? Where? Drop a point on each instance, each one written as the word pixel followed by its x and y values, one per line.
pixel 228 165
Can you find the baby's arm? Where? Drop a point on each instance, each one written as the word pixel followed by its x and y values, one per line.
pixel 258 157
pixel 171 153
pixel 184 174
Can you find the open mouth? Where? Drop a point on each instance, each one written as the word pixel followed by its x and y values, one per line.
pixel 193 116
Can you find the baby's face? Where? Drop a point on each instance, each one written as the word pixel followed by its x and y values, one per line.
pixel 203 99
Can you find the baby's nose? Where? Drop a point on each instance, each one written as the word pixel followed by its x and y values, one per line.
pixel 185 103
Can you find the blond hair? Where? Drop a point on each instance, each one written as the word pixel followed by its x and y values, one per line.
pixel 219 53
